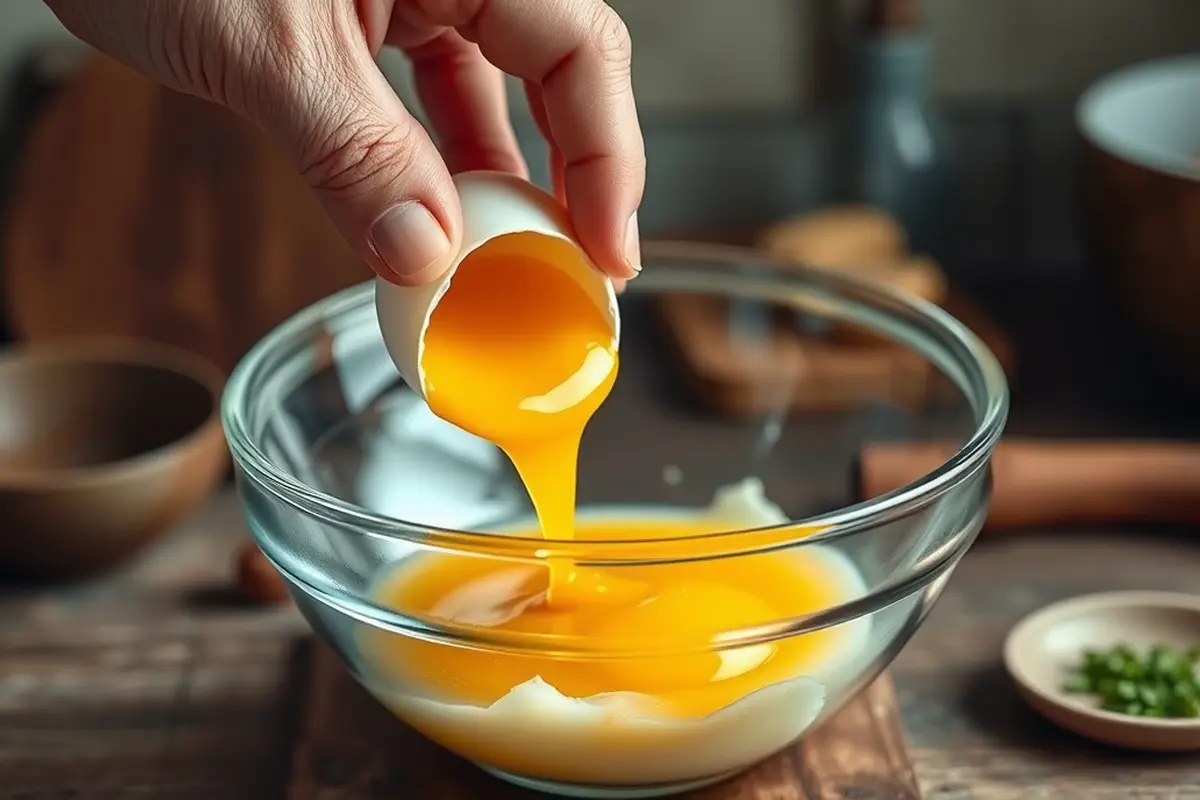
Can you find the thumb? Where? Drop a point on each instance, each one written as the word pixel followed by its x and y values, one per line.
pixel 377 173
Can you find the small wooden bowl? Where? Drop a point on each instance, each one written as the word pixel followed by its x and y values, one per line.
pixel 1140 203
pixel 103 446
pixel 1045 645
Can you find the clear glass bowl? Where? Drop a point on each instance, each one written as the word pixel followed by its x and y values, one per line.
pixel 343 472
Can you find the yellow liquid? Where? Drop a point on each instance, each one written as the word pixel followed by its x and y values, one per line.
pixel 683 607
pixel 518 354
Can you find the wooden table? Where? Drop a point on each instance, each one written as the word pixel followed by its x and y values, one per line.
pixel 154 683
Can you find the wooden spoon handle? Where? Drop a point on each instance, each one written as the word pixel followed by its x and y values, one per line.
pixel 1049 483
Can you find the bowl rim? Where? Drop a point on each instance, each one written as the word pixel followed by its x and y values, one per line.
pixel 114 351
pixel 967 461
pixel 1175 165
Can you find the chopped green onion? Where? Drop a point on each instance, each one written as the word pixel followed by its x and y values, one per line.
pixel 1162 684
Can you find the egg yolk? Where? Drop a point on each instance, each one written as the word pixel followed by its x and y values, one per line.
pixel 517 353
pixel 685 606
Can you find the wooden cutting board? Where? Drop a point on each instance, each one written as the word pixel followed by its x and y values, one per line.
pixel 350 748
pixel 805 373
pixel 139 211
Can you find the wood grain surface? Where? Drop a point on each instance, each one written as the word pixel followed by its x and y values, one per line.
pixel 157 683
pixel 139 211
pixel 353 749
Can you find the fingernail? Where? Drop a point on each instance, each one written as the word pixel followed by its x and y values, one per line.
pixel 409 240
pixel 633 245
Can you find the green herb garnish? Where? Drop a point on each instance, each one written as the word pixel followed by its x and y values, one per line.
pixel 1162 684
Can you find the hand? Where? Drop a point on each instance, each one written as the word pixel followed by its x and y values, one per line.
pixel 305 70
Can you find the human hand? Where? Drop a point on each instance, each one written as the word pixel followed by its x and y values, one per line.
pixel 305 70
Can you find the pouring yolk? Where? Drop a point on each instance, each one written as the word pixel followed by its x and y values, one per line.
pixel 518 353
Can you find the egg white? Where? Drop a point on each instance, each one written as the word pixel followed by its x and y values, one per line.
pixel 626 738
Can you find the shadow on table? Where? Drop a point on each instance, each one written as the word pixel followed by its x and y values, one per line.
pixel 993 705
pixel 216 598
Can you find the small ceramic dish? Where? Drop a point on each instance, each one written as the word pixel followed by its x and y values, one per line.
pixel 1042 648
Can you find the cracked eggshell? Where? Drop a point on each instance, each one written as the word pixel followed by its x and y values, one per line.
pixel 494 204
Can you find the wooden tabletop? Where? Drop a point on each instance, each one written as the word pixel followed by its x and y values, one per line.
pixel 154 683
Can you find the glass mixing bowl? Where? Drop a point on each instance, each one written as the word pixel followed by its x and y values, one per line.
pixel 783 375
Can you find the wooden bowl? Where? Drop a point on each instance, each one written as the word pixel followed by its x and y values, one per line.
pixel 103 446
pixel 1140 202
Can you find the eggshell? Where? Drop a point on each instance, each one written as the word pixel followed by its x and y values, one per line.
pixel 494 204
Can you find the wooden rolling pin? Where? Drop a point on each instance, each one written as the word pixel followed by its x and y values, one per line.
pixel 1059 483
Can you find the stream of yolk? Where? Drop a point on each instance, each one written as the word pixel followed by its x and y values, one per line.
pixel 517 353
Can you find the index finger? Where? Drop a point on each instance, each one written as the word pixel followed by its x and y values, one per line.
pixel 578 52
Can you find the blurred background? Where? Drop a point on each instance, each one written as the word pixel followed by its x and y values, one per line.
pixel 956 116
pixel 130 210
pixel 730 95
pixel 707 57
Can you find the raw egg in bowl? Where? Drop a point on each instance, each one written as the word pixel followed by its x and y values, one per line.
pixel 709 590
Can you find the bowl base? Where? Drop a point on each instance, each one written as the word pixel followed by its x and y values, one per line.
pixel 594 792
